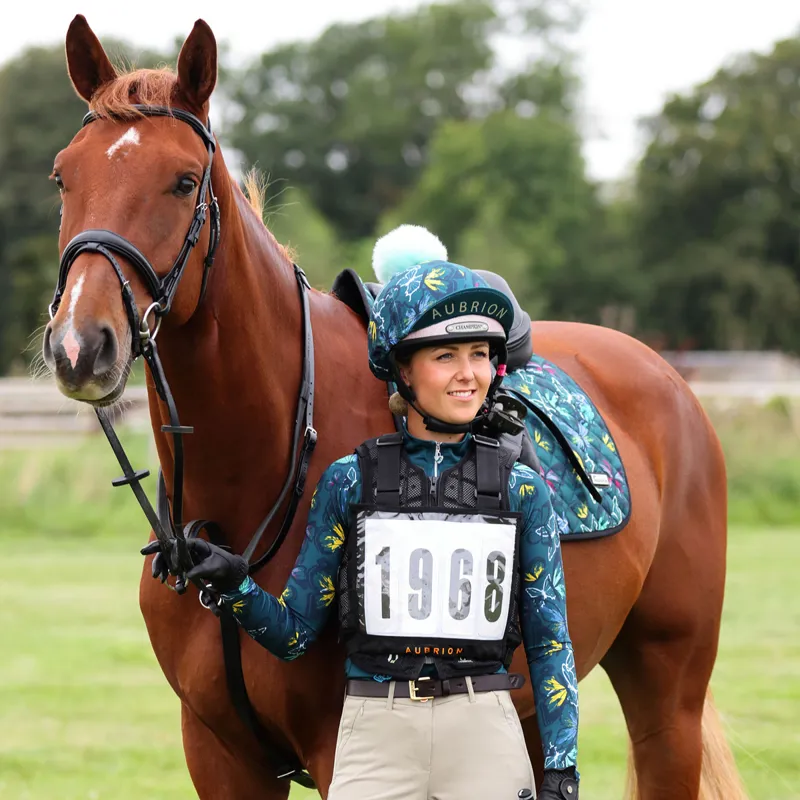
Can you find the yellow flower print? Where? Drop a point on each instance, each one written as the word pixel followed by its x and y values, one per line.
pixel 336 539
pixel 580 460
pixel 537 437
pixel 524 389
pixel 583 511
pixel 327 591
pixel 314 498
pixel 556 692
pixel 532 577
pixel 372 329
pixel 284 596
pixel 238 607
pixel 432 279
pixel 294 639
pixel 608 443
pixel 526 488
pixel 554 647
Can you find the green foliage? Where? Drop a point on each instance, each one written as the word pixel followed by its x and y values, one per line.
pixel 718 202
pixel 39 114
pixel 349 117
pixel 508 193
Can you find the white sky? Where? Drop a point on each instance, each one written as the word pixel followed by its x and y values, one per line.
pixel 633 52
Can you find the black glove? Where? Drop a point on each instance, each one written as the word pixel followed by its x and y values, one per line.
pixel 221 568
pixel 559 784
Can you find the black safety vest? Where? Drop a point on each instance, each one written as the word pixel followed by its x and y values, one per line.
pixel 393 488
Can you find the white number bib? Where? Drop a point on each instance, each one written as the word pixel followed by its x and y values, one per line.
pixel 439 578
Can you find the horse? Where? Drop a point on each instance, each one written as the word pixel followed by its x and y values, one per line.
pixel 645 604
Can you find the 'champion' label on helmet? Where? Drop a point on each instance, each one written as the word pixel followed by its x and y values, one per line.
pixel 467 327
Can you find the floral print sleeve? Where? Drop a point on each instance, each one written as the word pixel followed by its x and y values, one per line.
pixel 288 624
pixel 543 618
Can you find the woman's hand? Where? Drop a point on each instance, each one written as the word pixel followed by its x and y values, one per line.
pixel 224 570
pixel 559 784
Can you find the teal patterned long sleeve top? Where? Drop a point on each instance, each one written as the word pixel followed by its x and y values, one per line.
pixel 288 624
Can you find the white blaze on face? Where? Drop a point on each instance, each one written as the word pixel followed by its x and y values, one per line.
pixel 130 137
pixel 72 347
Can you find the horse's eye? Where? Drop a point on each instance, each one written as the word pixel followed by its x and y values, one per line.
pixel 185 186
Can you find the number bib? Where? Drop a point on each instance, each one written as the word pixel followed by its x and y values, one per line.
pixel 435 575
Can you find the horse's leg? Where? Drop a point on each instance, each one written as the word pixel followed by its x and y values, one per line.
pixel 661 663
pixel 218 773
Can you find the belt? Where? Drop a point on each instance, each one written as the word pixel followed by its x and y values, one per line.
pixel 423 689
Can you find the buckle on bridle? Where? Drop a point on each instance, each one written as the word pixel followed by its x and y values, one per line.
pixel 310 437
pixel 413 688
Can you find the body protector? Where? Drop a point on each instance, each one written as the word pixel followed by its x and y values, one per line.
pixel 430 570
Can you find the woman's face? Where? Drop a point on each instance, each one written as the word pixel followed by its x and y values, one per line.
pixel 450 380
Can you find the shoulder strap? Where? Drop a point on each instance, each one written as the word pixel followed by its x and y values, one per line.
pixel 487 454
pixel 388 469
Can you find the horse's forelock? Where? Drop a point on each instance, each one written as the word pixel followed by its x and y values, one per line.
pixel 152 87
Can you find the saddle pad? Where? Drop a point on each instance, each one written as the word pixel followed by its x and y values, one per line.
pixel 551 390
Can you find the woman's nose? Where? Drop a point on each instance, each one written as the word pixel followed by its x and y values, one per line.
pixel 465 371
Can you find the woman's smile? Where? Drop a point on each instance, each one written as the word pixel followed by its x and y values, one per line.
pixel 462 394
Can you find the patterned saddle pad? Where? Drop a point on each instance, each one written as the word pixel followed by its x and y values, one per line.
pixel 547 387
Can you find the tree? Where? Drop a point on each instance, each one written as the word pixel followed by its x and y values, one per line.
pixel 718 207
pixel 508 193
pixel 349 117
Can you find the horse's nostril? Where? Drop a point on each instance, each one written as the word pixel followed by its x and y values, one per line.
pixel 47 348
pixel 107 351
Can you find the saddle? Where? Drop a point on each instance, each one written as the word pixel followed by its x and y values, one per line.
pixel 360 295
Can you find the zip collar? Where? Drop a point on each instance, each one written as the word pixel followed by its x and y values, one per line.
pixel 425 451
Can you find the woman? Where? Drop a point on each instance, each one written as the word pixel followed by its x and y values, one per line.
pixel 440 550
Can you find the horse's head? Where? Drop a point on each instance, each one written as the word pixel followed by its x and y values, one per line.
pixel 133 182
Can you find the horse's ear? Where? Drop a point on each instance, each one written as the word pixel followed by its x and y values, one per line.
pixel 197 66
pixel 88 65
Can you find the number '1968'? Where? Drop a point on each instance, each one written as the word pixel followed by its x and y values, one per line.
pixel 420 572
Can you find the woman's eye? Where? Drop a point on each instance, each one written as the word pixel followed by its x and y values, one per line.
pixel 444 357
pixel 185 186
pixel 58 181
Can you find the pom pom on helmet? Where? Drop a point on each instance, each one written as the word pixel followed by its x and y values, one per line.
pixel 405 247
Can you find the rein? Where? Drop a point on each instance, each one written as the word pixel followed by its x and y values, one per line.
pixel 167 524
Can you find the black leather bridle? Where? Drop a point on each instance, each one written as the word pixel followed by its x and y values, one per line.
pixel 166 521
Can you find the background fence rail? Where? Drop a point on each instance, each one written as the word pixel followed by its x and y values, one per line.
pixel 33 412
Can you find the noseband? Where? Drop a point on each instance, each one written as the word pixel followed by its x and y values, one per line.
pixel 108 243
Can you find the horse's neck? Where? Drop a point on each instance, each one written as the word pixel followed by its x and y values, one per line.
pixel 234 371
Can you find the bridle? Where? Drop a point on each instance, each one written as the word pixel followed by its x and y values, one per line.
pixel 166 521
pixel 107 243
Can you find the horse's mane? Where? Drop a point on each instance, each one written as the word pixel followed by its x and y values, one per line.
pixel 149 87
pixel 156 87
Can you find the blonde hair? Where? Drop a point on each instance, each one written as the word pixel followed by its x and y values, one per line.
pixel 397 405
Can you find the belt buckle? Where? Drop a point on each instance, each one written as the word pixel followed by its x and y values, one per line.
pixel 412 690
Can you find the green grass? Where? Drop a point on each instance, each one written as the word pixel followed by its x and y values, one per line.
pixel 86 714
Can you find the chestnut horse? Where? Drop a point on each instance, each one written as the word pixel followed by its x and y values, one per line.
pixel 645 603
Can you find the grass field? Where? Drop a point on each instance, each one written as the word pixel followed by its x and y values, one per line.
pixel 86 714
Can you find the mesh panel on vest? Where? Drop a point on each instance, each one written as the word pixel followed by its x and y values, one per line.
pixel 459 488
